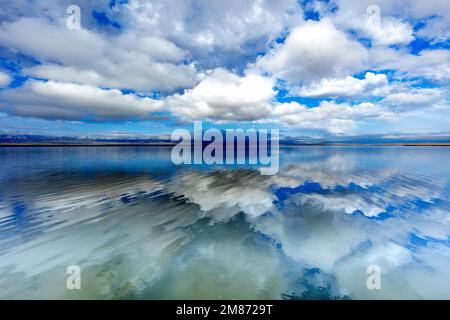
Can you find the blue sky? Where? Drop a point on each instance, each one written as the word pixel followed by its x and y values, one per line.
pixel 138 68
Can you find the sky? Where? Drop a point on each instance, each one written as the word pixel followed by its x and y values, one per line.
pixel 145 68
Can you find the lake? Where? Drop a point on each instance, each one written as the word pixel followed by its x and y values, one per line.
pixel 140 227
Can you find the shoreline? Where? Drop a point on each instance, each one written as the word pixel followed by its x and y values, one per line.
pixel 432 144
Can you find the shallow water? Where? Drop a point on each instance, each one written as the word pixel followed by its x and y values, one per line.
pixel 140 227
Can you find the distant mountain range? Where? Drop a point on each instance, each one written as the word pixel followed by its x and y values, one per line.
pixel 31 139
pixel 25 139
pixel 443 138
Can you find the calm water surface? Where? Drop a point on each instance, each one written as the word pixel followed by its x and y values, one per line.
pixel 141 228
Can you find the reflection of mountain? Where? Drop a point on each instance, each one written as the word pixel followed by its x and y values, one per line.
pixel 141 229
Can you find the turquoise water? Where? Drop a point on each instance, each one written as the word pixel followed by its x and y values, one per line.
pixel 141 228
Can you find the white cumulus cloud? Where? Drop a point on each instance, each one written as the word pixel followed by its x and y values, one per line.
pixel 67 101
pixel 127 61
pixel 375 21
pixel 328 116
pixel 312 51
pixel 430 64
pixel 225 96
pixel 346 87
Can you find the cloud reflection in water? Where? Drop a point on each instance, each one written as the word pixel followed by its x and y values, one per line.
pixel 141 228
